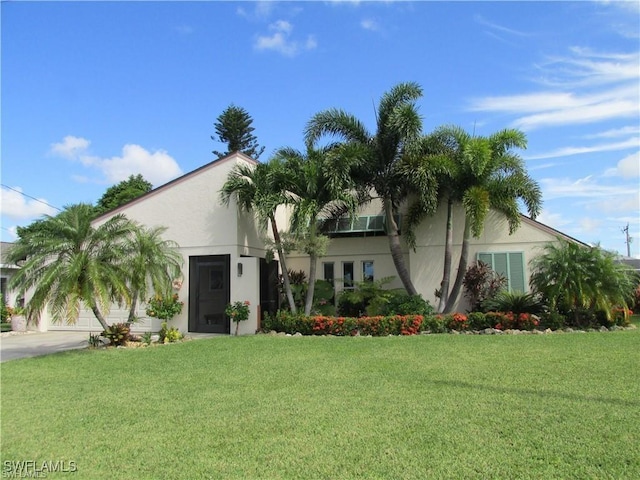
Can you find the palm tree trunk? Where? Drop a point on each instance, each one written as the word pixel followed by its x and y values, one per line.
pixel 283 264
pixel 313 260
pixel 396 249
pixel 448 246
pixel 99 316
pixel 462 268
pixel 132 310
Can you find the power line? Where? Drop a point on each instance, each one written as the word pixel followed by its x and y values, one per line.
pixel 29 196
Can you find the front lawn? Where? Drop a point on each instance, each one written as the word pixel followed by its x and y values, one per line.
pixel 436 406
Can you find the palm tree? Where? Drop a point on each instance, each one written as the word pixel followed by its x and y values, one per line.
pixel 487 176
pixel 69 262
pixel 387 166
pixel 321 184
pixel 575 278
pixel 260 189
pixel 155 263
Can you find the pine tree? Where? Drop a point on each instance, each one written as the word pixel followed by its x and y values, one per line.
pixel 233 127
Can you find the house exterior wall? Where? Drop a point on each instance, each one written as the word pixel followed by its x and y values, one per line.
pixel 196 220
pixel 426 261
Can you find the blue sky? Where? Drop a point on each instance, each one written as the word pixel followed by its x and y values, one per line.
pixel 95 91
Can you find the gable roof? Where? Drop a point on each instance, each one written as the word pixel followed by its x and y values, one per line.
pixel 552 231
pixel 180 179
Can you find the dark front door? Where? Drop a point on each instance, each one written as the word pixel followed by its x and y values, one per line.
pixel 208 293
pixel 269 294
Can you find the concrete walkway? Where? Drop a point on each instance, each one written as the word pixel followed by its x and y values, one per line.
pixel 40 343
pixel 33 344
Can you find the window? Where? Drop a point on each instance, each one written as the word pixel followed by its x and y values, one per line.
pixel 367 271
pixel 347 275
pixel 328 272
pixel 508 264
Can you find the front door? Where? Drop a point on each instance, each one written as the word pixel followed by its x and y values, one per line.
pixel 208 293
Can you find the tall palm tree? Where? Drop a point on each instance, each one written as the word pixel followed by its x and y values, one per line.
pixel 69 262
pixel 155 263
pixel 385 153
pixel 487 175
pixel 321 183
pixel 260 189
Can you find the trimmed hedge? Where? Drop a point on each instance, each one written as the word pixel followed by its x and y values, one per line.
pixel 344 326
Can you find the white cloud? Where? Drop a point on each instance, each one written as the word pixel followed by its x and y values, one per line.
pixel 157 167
pixel 628 167
pixel 70 147
pixel 568 151
pixel 18 207
pixel 616 132
pixel 589 225
pixel 553 220
pixel 370 24
pixel 261 10
pixel 500 28
pixel 281 42
pixel 553 188
pixel 584 87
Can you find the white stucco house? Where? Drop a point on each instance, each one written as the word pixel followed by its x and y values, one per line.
pixel 225 256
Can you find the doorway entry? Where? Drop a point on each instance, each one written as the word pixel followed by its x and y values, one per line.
pixel 209 293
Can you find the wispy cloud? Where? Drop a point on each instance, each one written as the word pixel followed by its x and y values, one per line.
pixel 584 87
pixel 184 29
pixel 604 147
pixel 370 24
pixel 260 11
pixel 586 187
pixel 157 167
pixel 280 40
pixel 498 28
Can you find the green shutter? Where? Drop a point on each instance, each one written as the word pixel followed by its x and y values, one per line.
pixel 486 258
pixel 500 264
pixel 516 272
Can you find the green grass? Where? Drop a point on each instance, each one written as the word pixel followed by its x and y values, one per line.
pixel 439 406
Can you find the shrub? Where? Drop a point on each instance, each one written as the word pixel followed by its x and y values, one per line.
pixel 238 312
pixel 481 283
pixel 285 322
pixel 457 321
pixel 118 333
pixel 516 302
pixel 356 302
pixel 514 321
pixel 479 321
pixel 146 338
pixel 164 307
pixel 434 324
pixel 5 310
pixel 553 320
pixel 169 335
pixel 401 303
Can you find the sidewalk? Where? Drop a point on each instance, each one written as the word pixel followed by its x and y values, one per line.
pixel 34 344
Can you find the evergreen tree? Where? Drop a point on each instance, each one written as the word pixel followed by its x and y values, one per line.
pixel 122 193
pixel 233 127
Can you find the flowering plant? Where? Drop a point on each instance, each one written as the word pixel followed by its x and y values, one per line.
pixel 238 312
pixel 164 307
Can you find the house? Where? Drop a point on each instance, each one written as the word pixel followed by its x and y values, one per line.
pixel 225 258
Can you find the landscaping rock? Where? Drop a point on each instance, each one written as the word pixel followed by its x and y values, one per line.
pixel 297 334
pixel 604 329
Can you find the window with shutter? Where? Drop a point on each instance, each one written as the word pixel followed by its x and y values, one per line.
pixel 508 264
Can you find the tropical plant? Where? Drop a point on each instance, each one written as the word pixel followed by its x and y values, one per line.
pixel 164 307
pixel 320 182
pixel 577 279
pixel 484 174
pixel 233 127
pixel 155 263
pixel 169 334
pixel 515 302
pixel 481 284
pixel 238 312
pixel 118 334
pixel 68 262
pixel 259 188
pixel 390 165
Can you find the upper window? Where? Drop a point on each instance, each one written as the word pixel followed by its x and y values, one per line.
pixel 508 264
pixel 347 276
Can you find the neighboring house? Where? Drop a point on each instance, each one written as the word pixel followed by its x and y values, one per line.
pixel 6 272
pixel 225 256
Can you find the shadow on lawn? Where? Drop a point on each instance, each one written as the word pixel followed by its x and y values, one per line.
pixel 538 393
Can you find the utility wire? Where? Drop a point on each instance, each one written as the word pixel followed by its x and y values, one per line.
pixel 29 196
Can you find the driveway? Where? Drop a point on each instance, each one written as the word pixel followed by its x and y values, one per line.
pixel 40 343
